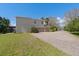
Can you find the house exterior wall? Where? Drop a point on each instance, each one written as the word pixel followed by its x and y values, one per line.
pixel 24 24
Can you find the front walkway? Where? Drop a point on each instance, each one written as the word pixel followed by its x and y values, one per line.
pixel 62 40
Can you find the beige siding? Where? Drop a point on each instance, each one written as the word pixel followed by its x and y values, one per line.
pixel 23 24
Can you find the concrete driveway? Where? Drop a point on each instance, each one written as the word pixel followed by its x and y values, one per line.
pixel 62 40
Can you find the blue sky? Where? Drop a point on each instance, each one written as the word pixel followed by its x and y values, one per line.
pixel 38 10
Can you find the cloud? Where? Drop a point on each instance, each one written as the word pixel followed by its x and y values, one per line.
pixel 60 21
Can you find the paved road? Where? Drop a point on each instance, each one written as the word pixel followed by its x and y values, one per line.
pixel 62 40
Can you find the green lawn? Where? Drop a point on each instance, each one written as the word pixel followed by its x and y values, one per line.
pixel 25 44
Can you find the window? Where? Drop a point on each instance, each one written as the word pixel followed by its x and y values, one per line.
pixel 41 22
pixel 34 21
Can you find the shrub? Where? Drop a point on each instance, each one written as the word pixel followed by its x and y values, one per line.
pixel 34 30
pixel 73 25
pixel 76 33
pixel 53 28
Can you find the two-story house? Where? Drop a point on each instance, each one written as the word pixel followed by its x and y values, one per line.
pixel 24 24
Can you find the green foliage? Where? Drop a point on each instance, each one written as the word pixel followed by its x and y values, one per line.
pixel 76 33
pixel 4 24
pixel 34 30
pixel 73 25
pixel 53 28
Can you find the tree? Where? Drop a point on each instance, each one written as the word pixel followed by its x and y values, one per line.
pixel 4 25
pixel 72 13
pixel 42 18
pixel 72 20
pixel 6 22
pixel 73 25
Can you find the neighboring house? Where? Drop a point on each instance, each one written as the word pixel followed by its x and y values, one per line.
pixel 24 24
pixel 12 29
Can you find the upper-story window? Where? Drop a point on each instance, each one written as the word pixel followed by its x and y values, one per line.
pixel 34 21
pixel 41 22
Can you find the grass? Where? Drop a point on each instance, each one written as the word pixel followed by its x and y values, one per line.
pixel 25 45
